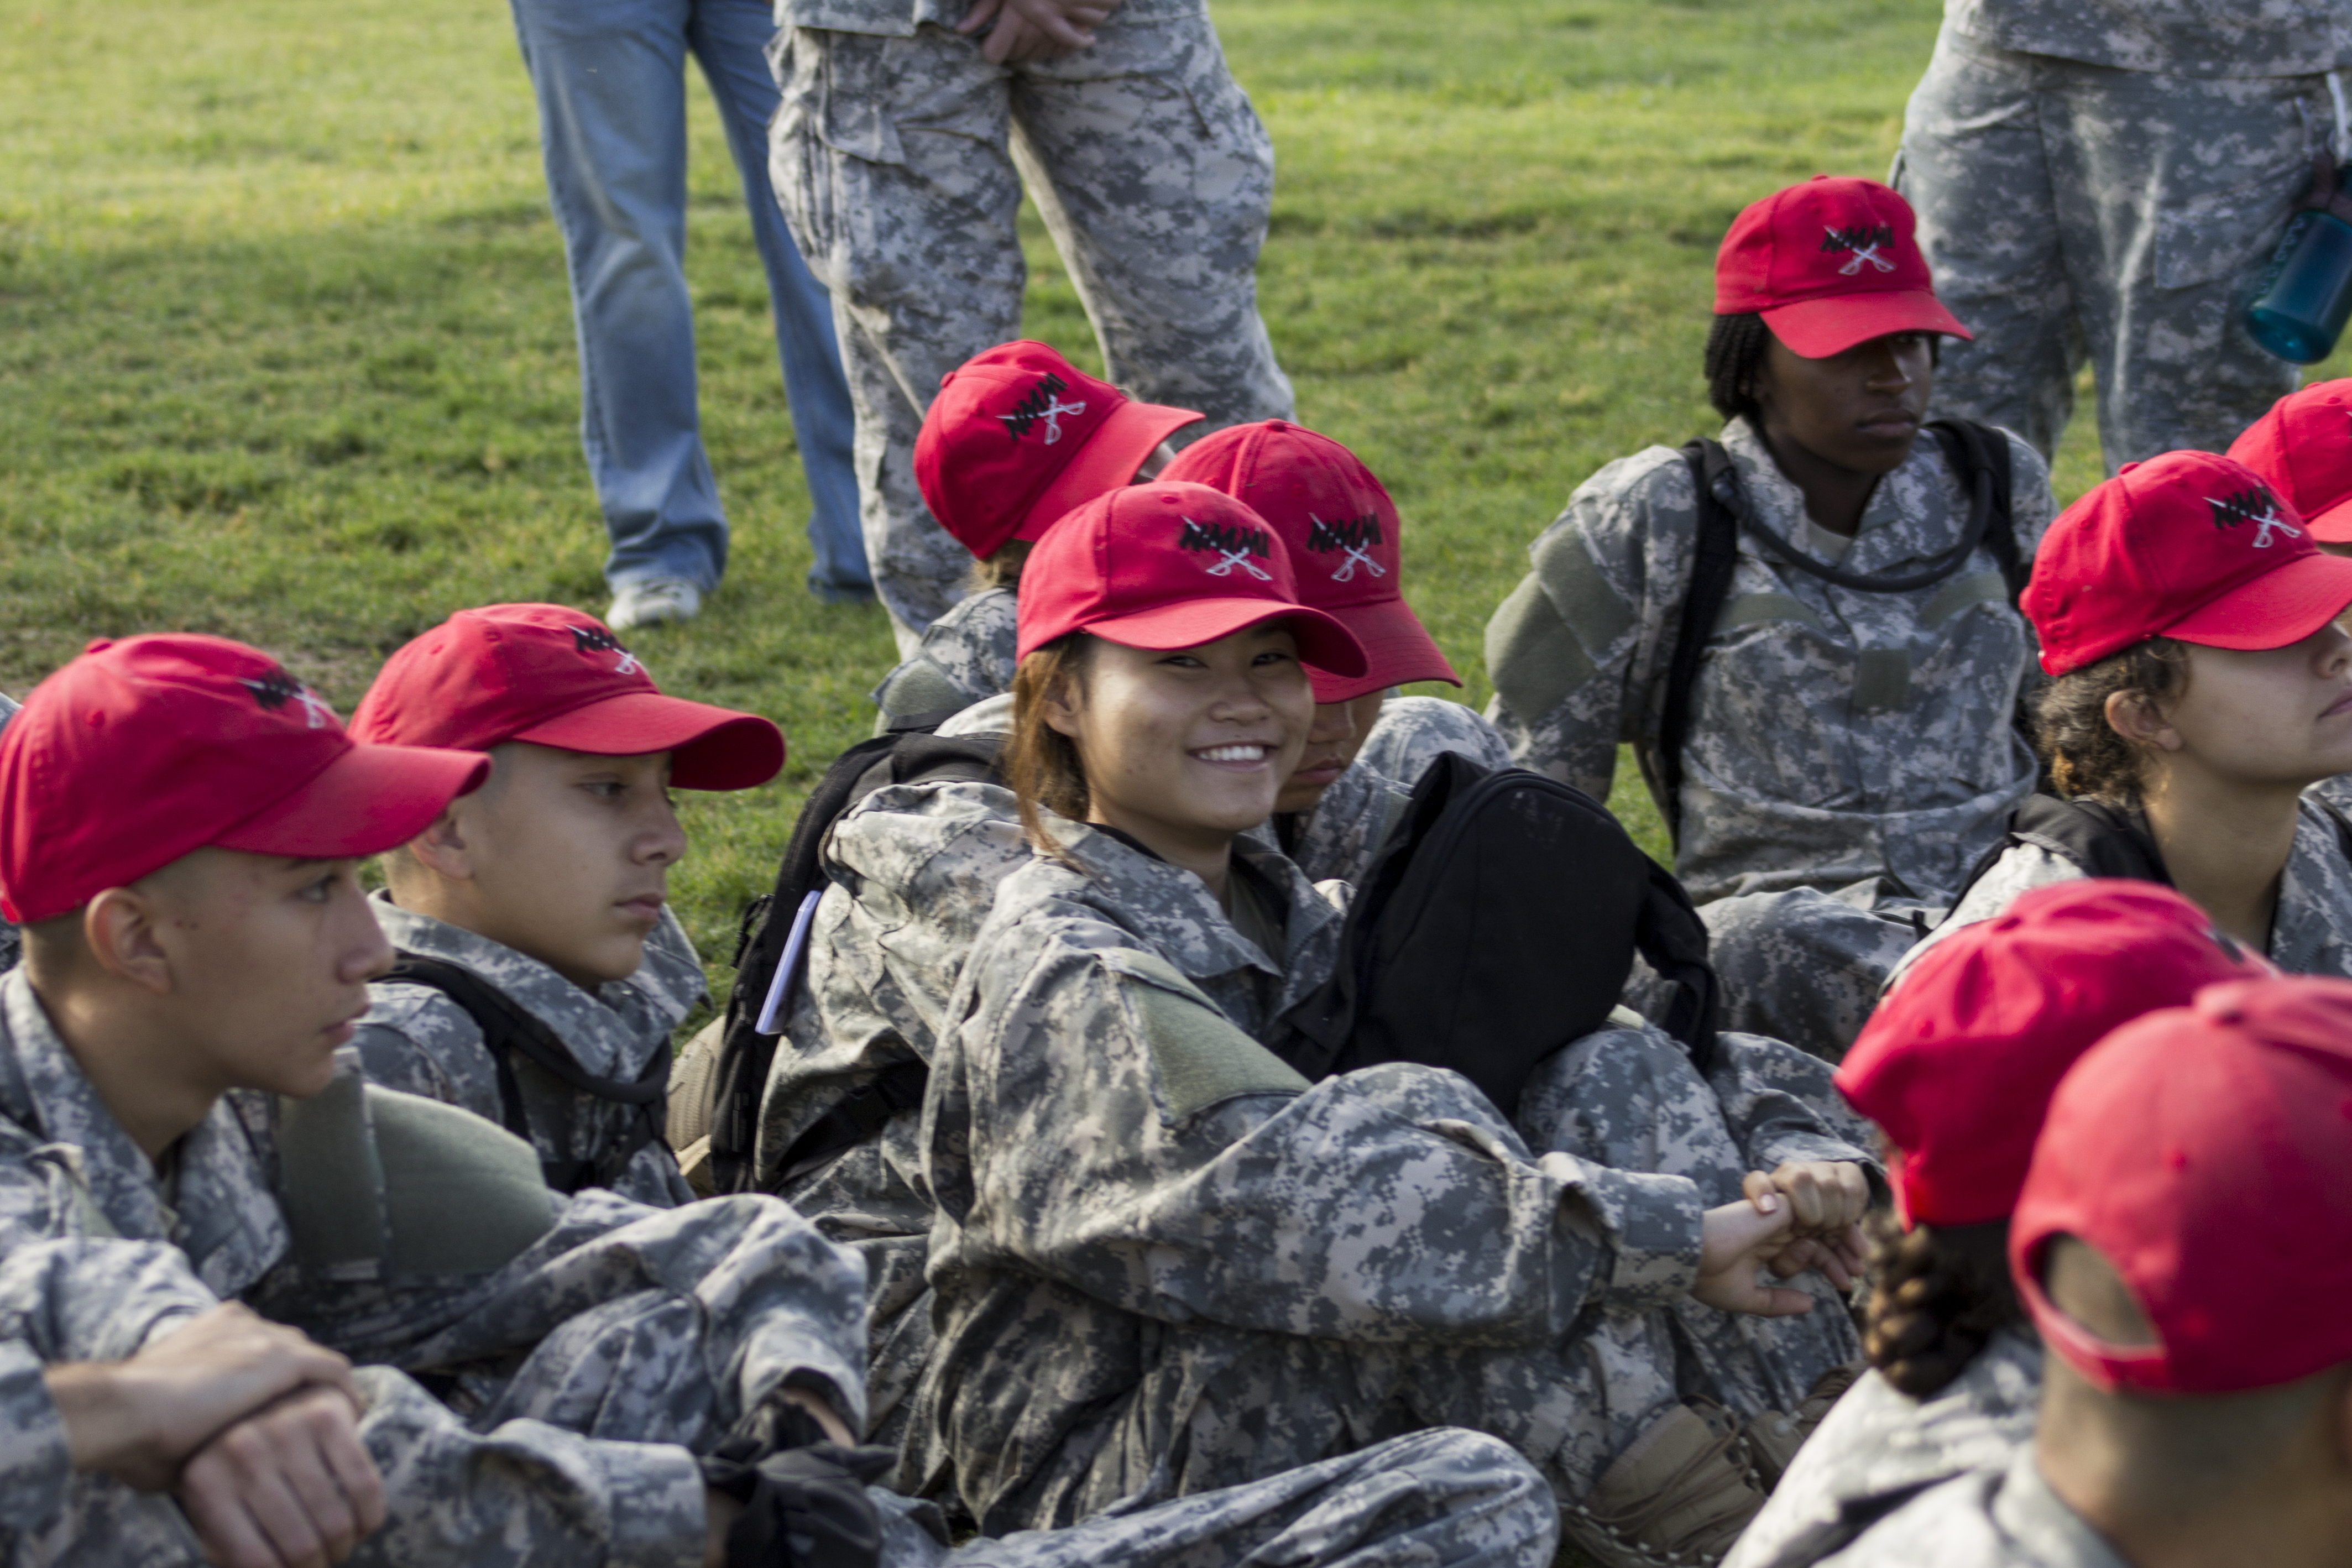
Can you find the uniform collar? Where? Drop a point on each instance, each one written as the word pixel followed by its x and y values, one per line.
pixel 226 1217
pixel 1908 518
pixel 605 1029
pixel 1173 910
pixel 2052 1534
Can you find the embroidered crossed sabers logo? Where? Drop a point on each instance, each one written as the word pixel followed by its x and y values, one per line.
pixel 1043 402
pixel 588 640
pixel 1864 241
pixel 1354 537
pixel 276 689
pixel 1233 545
pixel 2255 507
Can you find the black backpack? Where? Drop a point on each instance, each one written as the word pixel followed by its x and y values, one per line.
pixel 769 922
pixel 1498 923
pixel 509 1029
pixel 1978 454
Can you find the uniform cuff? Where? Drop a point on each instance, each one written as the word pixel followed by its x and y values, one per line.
pixel 36 1464
pixel 1650 1224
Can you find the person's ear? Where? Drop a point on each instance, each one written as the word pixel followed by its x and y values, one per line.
pixel 119 927
pixel 2137 718
pixel 1062 707
pixel 442 847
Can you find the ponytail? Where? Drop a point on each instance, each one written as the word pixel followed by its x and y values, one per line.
pixel 1941 1294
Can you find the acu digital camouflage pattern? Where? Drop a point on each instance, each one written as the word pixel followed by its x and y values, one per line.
pixel 1165 1263
pixel 1879 1447
pixel 594 1363
pixel 2311 933
pixel 898 157
pixel 2003 1518
pixel 966 656
pixel 915 870
pixel 1412 731
pixel 1338 837
pixel 2072 210
pixel 416 1039
pixel 1850 754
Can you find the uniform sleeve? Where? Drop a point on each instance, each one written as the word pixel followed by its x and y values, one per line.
pixel 35 1466
pixel 1570 650
pixel 1780 1105
pixel 416 1040
pixel 1125 1138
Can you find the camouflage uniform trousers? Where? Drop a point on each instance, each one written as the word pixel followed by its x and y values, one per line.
pixel 1878 1446
pixel 2074 211
pixel 899 163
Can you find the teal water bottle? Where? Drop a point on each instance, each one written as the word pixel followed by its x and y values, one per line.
pixel 2304 297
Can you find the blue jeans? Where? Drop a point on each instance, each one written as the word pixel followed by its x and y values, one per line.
pixel 610 76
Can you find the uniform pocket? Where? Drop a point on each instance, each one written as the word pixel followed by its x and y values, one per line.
pixel 2214 234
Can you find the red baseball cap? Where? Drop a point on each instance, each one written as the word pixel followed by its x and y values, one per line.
pixel 1170 565
pixel 1830 264
pixel 1341 530
pixel 2188 545
pixel 556 677
pixel 1018 436
pixel 2203 1152
pixel 2303 446
pixel 142 750
pixel 1960 1061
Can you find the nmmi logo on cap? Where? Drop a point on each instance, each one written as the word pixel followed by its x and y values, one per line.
pixel 274 689
pixel 1043 402
pixel 594 639
pixel 1353 538
pixel 2258 506
pixel 1231 543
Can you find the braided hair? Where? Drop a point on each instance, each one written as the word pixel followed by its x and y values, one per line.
pixel 1942 1292
pixel 1734 353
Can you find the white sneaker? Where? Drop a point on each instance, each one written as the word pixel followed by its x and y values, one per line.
pixel 653 602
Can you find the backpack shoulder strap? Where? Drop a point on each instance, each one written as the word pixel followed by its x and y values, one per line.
pixel 509 1030
pixel 2099 840
pixel 1715 554
pixel 1980 456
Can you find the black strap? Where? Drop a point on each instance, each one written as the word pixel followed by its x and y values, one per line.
pixel 508 1030
pixel 897 1088
pixel 1977 453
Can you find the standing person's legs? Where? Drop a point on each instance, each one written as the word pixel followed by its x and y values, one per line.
pixel 730 38
pixel 2171 192
pixel 1973 167
pixel 889 161
pixel 610 78
pixel 1155 177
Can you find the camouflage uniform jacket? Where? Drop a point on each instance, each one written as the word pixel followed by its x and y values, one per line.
pixel 2182 37
pixel 2310 934
pixel 899 19
pixel 1834 735
pixel 2002 1518
pixel 1878 1449
pixel 417 1039
pixel 967 656
pixel 1338 837
pixel 1132 1190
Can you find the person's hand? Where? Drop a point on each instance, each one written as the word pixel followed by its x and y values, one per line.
pixel 288 1487
pixel 138 1420
pixel 1827 1199
pixel 1035 29
pixel 1734 1242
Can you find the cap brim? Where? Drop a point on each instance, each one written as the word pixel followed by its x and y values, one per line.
pixel 711 748
pixel 1398 651
pixel 369 800
pixel 2333 525
pixel 1816 329
pixel 1323 643
pixel 1107 462
pixel 2279 607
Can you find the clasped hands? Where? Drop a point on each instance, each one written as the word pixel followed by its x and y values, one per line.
pixel 1805 1215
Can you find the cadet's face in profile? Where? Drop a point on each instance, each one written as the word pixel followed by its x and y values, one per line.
pixel 570 855
pixel 2277 717
pixel 1859 410
pixel 1332 742
pixel 1192 746
pixel 269 960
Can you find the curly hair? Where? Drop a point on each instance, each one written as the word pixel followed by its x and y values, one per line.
pixel 1734 353
pixel 1001 568
pixel 2087 758
pixel 1941 1294
pixel 1041 763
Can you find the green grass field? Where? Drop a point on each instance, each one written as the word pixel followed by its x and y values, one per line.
pixel 286 352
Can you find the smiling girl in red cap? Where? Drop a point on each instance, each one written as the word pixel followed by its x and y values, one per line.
pixel 1842 747
pixel 2201 684
pixel 1164 1257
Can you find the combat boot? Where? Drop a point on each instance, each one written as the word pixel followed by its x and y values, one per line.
pixel 1677 1497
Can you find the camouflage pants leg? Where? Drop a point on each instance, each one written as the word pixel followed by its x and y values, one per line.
pixel 1431 1498
pixel 1805 966
pixel 1411 730
pixel 899 163
pixel 1631 1101
pixel 2072 211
